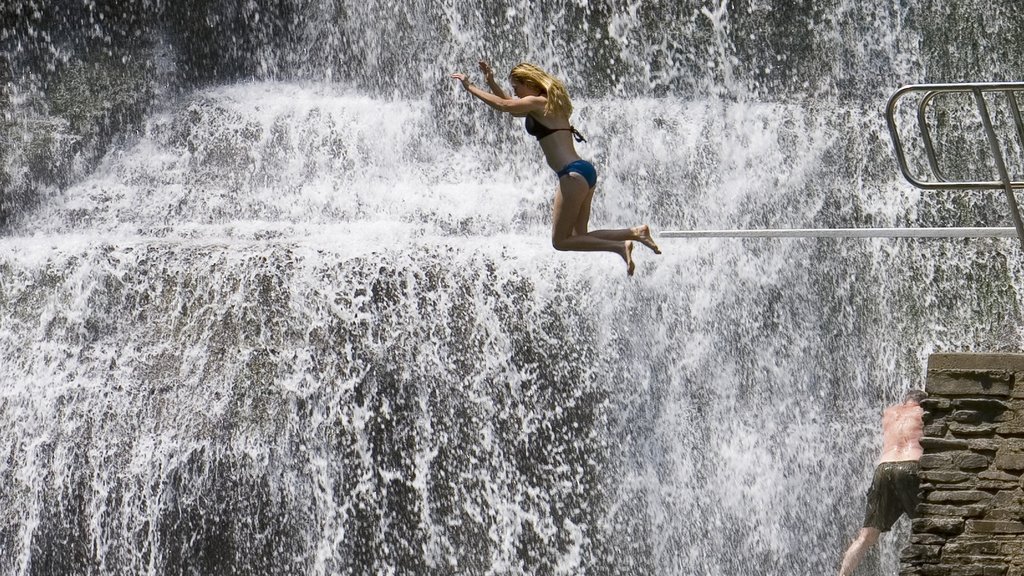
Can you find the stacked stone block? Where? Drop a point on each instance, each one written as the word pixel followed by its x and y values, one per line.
pixel 971 518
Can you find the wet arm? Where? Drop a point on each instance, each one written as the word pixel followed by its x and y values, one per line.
pixel 495 87
pixel 485 67
pixel 514 106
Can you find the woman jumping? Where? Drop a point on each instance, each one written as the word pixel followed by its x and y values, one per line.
pixel 544 101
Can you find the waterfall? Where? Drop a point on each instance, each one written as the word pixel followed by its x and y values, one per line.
pixel 277 297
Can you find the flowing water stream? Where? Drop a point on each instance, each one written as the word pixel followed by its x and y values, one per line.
pixel 293 308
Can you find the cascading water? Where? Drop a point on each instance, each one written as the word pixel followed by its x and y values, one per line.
pixel 276 297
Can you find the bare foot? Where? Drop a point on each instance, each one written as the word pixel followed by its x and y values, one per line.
pixel 643 235
pixel 627 254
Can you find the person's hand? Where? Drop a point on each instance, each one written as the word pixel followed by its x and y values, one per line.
pixel 486 69
pixel 462 78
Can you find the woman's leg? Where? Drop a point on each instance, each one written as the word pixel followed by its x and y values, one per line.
pixel 570 205
pixel 583 218
pixel 641 234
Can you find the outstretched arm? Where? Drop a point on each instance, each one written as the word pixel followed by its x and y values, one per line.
pixel 514 106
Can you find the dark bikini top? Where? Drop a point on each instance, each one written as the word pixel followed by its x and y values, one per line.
pixel 535 128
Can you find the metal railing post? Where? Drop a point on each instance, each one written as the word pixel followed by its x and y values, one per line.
pixel 997 156
pixel 939 181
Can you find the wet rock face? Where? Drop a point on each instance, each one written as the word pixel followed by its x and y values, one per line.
pixel 75 77
pixel 78 77
pixel 6 125
pixel 50 138
pixel 969 521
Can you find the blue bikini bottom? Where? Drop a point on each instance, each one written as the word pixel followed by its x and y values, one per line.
pixel 583 168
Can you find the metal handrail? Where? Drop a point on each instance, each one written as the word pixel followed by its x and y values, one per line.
pixel 941 182
pixel 1005 232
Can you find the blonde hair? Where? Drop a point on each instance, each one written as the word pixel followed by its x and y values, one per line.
pixel 553 89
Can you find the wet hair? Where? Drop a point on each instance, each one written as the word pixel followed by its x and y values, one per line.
pixel 915 396
pixel 551 87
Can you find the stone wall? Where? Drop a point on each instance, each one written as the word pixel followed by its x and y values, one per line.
pixel 971 517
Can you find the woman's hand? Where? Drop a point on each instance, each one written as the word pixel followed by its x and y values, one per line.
pixel 486 69
pixel 462 78
pixel 489 78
